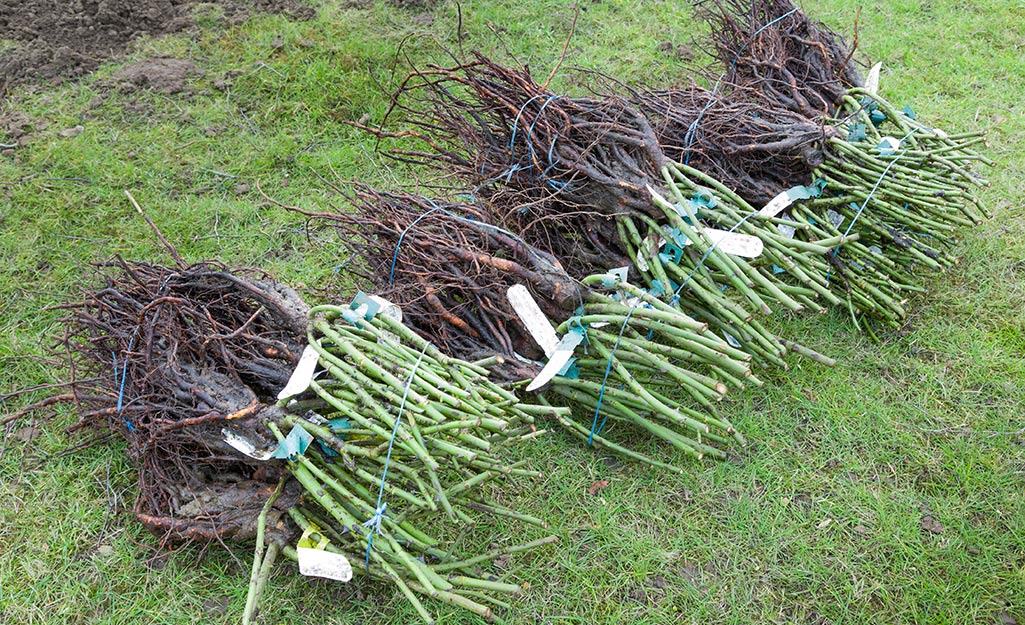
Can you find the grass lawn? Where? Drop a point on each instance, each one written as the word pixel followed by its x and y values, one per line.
pixel 890 489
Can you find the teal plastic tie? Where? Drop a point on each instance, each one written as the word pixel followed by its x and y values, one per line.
pixel 338 426
pixel 576 326
pixel 671 254
pixel 570 370
pixel 362 299
pixel 295 444
pixel 857 133
pixel 705 199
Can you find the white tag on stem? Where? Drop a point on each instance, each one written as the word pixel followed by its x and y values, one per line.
pixel 387 308
pixel 731 339
pixel 533 318
pixel 320 563
pixel 734 243
pixel 776 205
pixel 889 145
pixel 620 272
pixel 302 375
pixel 557 360
pixel 872 82
pixel 245 446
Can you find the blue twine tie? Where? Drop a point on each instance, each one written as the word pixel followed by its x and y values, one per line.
pixel 374 522
pixel 513 167
pixel 675 299
pixel 595 427
pixel 474 222
pixel 868 198
pixel 124 377
pixel 512 137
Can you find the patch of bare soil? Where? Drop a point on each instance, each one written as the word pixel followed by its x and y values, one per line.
pixel 58 40
pixel 422 5
pixel 162 74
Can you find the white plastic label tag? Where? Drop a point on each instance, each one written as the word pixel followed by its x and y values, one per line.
pixel 245 446
pixel 734 243
pixel 320 563
pixel 533 318
pixel 872 82
pixel 557 360
pixel 300 380
pixel 888 146
pixel 388 309
pixel 776 205
pixel 787 231
pixel 779 203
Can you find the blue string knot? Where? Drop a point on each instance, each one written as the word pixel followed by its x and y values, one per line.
pixel 374 522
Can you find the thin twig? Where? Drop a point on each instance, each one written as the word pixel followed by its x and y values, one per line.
pixel 273 201
pixel 170 248
pixel 565 46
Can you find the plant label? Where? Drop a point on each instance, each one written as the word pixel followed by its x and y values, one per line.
pixel 533 318
pixel 735 243
pixel 787 231
pixel 779 203
pixel 776 205
pixel 320 563
pixel 302 375
pixel 245 446
pixel 888 146
pixel 557 361
pixel 872 82
pixel 731 339
pixel 620 272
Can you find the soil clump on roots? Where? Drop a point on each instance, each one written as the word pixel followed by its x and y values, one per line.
pixel 168 357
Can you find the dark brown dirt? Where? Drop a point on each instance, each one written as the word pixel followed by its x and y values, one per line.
pixel 161 74
pixel 413 4
pixel 57 40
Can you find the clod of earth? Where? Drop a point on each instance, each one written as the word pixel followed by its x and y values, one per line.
pixel 64 40
pixel 163 74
